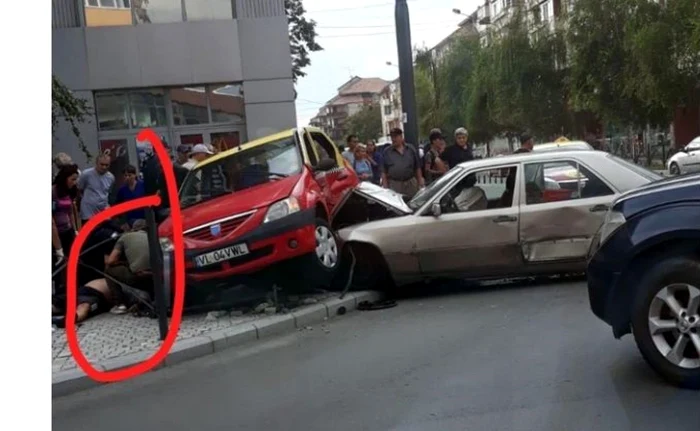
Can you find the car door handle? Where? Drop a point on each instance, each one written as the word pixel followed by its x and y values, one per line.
pixel 504 219
pixel 598 208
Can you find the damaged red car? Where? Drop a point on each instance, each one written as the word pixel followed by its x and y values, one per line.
pixel 262 213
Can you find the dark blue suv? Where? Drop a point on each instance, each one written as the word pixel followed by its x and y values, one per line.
pixel 644 275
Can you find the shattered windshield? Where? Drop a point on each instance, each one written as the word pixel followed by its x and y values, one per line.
pixel 241 170
pixel 433 189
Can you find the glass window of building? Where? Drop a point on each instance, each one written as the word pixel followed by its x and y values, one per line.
pixel 147 108
pixel 227 104
pixel 189 106
pixel 112 111
pixel 201 10
pixel 148 11
pixel 99 13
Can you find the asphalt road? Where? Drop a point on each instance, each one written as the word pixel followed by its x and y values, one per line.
pixel 504 358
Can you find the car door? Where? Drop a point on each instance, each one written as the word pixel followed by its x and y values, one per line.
pixel 478 241
pixel 692 161
pixel 335 182
pixel 563 204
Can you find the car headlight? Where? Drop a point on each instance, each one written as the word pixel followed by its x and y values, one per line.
pixel 166 245
pixel 282 209
pixel 613 221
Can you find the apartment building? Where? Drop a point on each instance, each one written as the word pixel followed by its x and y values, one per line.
pixel 351 98
pixel 392 113
pixel 195 71
pixel 466 28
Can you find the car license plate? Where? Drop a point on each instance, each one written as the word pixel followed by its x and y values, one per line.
pixel 221 255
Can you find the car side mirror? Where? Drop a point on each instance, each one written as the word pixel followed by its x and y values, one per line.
pixel 326 164
pixel 436 209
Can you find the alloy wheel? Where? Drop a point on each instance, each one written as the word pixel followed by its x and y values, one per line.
pixel 674 324
pixel 326 247
pixel 674 169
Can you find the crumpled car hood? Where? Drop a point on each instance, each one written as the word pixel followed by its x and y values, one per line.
pixel 383 196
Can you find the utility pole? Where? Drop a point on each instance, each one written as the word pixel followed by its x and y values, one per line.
pixel 405 51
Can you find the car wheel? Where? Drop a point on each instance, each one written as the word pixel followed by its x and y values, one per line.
pixel 370 271
pixel 318 268
pixel 674 169
pixel 666 321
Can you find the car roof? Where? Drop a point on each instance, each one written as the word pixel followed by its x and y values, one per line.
pixel 535 157
pixel 564 145
pixel 252 144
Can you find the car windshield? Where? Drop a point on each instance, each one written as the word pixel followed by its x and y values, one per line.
pixel 427 193
pixel 638 169
pixel 241 170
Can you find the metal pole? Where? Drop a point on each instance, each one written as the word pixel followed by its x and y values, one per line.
pixel 405 51
pixel 156 256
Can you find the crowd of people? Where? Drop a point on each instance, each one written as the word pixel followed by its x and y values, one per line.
pixel 77 196
pixel 406 168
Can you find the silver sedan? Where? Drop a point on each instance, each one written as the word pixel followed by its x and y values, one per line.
pixel 525 214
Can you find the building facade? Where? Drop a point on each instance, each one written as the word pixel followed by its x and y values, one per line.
pixel 392 113
pixel 196 71
pixel 351 98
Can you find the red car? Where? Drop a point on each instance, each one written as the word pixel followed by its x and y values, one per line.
pixel 262 212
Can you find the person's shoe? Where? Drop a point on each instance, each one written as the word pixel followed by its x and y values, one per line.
pixel 119 309
pixel 59 321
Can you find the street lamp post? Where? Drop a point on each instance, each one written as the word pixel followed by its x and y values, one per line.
pixel 405 51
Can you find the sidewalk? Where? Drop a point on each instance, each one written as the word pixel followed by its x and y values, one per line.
pixel 112 342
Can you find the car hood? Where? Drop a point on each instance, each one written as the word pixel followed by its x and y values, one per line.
pixel 386 197
pixel 660 192
pixel 259 196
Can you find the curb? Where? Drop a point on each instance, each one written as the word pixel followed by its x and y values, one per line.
pixel 75 380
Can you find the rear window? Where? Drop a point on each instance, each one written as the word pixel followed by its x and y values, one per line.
pixel 639 170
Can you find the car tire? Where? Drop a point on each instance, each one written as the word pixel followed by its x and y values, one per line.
pixel 674 169
pixel 668 277
pixel 320 267
pixel 370 271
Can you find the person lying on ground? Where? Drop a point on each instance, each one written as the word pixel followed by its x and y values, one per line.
pixel 94 298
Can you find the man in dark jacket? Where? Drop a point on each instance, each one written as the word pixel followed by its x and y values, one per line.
pixel 461 151
pixel 526 144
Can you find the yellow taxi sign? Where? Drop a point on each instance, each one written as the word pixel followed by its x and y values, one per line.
pixel 561 139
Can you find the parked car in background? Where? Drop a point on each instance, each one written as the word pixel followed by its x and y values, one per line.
pixel 644 275
pixel 468 225
pixel 262 212
pixel 685 160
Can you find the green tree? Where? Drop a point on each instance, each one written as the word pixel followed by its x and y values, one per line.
pixel 302 37
pixel 73 110
pixel 367 123
pixel 599 62
pixel 663 63
pixel 455 73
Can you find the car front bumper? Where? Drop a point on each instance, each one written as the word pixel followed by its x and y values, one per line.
pixel 268 244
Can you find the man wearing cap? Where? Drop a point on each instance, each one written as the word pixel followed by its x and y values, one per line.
pixel 461 151
pixel 199 152
pixel 526 144
pixel 401 169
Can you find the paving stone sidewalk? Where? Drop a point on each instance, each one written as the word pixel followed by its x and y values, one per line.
pixel 109 336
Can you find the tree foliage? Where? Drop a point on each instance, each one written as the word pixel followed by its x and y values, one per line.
pixel 367 123
pixel 73 110
pixel 302 37
pixel 627 63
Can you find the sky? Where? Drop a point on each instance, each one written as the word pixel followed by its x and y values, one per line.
pixel 358 39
